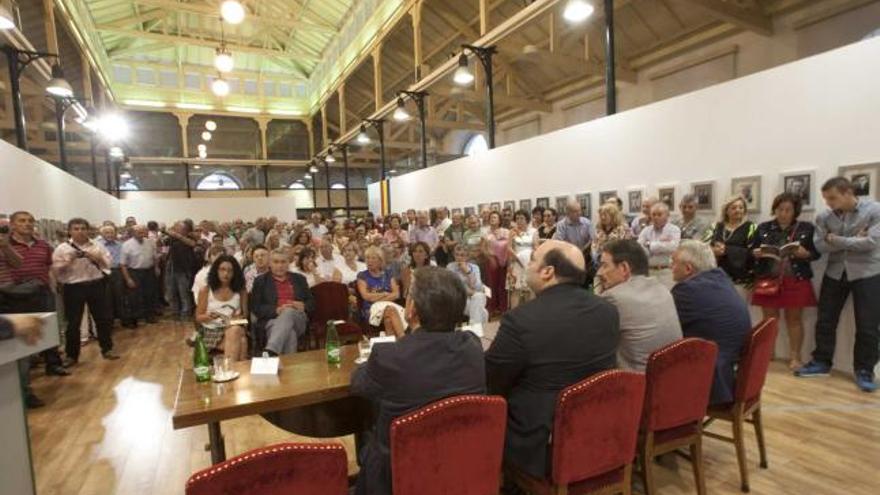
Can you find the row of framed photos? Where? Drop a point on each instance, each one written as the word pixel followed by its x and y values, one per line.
pixel 865 179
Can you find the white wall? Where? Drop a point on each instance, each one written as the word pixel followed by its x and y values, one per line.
pixel 29 183
pixel 815 114
pixel 167 208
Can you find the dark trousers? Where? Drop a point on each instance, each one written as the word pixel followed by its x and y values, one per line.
pixel 116 295
pixel 142 300
pixel 76 296
pixel 866 302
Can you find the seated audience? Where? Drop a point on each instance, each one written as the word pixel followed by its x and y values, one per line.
pixel 328 260
pixel 200 281
pixel 790 273
pixel 394 232
pixel 260 265
pixel 223 299
pixel 349 267
pixel 639 222
pixel 469 273
pixel 379 292
pixel 648 320
pixel 710 308
pixel 316 226
pixel 423 232
pixel 419 256
pixel 557 339
pixel 431 363
pixel 306 266
pixel 691 226
pixel 281 302
pixel 660 239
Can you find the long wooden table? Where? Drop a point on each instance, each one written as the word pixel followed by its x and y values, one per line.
pixel 309 397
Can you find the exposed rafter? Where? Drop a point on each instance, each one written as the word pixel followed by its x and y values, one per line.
pixel 212 11
pixel 728 11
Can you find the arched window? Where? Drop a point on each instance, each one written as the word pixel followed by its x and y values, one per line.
pixel 475 145
pixel 129 186
pixel 217 181
pixel 297 185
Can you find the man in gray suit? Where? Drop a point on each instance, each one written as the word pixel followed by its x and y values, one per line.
pixel 648 320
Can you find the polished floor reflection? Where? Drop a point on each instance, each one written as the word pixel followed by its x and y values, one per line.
pixel 107 430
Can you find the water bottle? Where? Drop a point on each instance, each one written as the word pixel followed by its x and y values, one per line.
pixel 332 344
pixel 201 361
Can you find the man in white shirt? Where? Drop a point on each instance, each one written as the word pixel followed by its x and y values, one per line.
pixel 138 264
pixel 660 239
pixel 443 221
pixel 648 318
pixel 327 261
pixel 317 228
pixel 640 222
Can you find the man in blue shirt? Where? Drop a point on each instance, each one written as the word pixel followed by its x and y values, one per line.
pixel 709 307
pixel 849 232
pixel 116 288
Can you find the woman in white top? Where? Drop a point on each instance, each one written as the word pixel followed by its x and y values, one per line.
pixel 521 245
pixel 349 267
pixel 308 268
pixel 222 300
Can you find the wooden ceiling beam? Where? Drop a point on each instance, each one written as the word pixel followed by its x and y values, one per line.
pixel 212 12
pixel 727 11
pixel 500 99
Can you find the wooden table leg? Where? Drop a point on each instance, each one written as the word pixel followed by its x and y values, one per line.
pixel 218 447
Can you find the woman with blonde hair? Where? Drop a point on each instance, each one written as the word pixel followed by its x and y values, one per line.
pixel 379 291
pixel 731 240
pixel 611 227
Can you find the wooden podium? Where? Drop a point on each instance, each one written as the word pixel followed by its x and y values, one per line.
pixel 16 471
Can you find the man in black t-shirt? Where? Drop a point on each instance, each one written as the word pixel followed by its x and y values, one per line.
pixel 184 266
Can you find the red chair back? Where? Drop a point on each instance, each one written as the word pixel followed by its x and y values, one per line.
pixel 277 470
pixel 597 425
pixel 451 446
pixel 331 302
pixel 678 381
pixel 755 361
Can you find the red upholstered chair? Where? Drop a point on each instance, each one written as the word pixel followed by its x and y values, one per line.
pixel 678 380
pixel 331 303
pixel 746 407
pixel 281 469
pixel 454 445
pixel 595 431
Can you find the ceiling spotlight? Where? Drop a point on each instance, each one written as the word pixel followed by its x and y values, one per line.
pixel 400 113
pixel 232 11
pixel 313 169
pixel 206 135
pixel 58 86
pixel 203 154
pixel 7 20
pixel 112 127
pixel 362 136
pixel 116 152
pixel 330 158
pixel 392 171
pixel 197 167
pixel 220 87
pixel 202 147
pixel 211 125
pixel 577 11
pixel 307 176
pixel 463 75
pixel 223 60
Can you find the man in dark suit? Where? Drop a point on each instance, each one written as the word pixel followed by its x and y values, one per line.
pixel 709 307
pixel 429 364
pixel 281 300
pixel 561 337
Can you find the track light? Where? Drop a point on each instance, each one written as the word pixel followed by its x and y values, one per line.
pixel 206 135
pixel 7 20
pixel 211 125
pixel 202 147
pixel 307 176
pixel 203 154
pixel 220 87
pixel 223 60
pixel 577 11
pixel 362 136
pixel 330 158
pixel 463 75
pixel 232 11
pixel 58 86
pixel 116 152
pixel 313 169
pixel 400 113
pixel 112 127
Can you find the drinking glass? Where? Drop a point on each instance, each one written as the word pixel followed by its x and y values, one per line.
pixel 221 366
pixel 364 349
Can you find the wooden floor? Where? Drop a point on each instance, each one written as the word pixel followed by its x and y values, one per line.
pixel 107 430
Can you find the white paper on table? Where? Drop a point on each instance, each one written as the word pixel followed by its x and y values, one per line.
pixel 264 366
pixel 381 340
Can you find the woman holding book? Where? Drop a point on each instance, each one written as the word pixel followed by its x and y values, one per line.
pixel 783 249
pixel 221 306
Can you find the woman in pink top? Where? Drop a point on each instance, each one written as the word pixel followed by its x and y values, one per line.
pixel 495 249
pixel 394 232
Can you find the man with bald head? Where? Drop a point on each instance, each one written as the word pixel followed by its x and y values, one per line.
pixel 138 263
pixel 559 338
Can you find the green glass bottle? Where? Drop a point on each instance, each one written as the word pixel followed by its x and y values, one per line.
pixel 334 353
pixel 201 360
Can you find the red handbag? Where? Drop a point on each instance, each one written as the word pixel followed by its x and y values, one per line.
pixel 773 286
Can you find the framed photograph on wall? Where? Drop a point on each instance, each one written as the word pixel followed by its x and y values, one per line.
pixel 604 196
pixel 455 210
pixel 526 205
pixel 666 194
pixel 560 204
pixel 545 202
pixel 705 194
pixel 800 183
pixel 634 199
pixel 584 199
pixel 482 207
pixel 469 210
pixel 495 206
pixel 750 189
pixel 865 179
pixel 510 205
